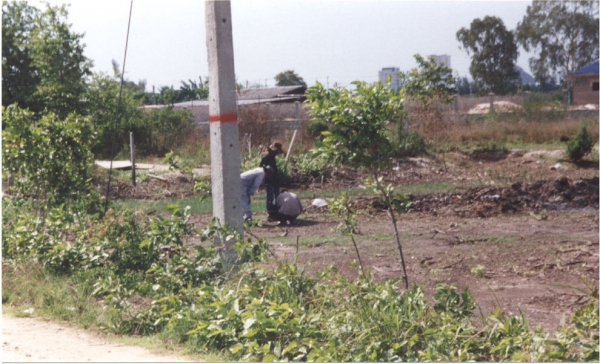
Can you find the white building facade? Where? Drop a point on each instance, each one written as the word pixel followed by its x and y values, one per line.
pixel 391 72
pixel 443 59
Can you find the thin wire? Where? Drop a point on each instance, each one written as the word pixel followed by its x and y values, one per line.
pixel 112 146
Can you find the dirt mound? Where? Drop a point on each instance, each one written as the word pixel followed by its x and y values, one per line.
pixel 499 106
pixel 166 186
pixel 560 194
pixel 489 154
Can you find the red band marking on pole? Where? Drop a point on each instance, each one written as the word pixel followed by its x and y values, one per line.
pixel 225 118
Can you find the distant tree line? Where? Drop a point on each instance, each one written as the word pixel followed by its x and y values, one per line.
pixel 563 35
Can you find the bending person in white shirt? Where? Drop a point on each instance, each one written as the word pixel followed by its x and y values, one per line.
pixel 251 180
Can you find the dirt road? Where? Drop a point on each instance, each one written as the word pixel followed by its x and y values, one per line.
pixel 37 340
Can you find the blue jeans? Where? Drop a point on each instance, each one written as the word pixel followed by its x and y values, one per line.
pixel 272 193
pixel 246 204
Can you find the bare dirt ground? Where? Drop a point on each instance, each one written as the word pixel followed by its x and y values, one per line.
pixel 518 228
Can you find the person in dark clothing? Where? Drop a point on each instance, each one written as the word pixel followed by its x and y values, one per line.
pixel 272 181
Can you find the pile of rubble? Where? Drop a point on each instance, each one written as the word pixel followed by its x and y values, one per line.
pixel 560 194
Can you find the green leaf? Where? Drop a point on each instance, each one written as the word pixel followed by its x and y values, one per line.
pixel 236 348
pixel 269 358
pixel 249 322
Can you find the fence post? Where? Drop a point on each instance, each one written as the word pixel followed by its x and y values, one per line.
pixel 491 101
pixel 297 104
pixel 132 158
pixel 455 104
pixel 268 108
pixel 290 147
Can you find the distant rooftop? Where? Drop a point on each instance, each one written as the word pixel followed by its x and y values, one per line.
pixel 271 93
pixel 589 69
pixel 251 96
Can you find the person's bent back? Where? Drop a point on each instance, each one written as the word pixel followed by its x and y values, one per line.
pixel 251 181
pixel 289 207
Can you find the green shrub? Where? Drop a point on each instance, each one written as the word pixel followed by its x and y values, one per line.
pixel 315 128
pixel 48 160
pixel 580 145
pixel 342 207
pixel 311 165
pixel 409 144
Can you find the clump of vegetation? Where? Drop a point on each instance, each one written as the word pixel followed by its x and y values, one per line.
pixel 359 132
pixel 149 282
pixel 580 144
pixel 315 129
pixel 344 210
pixel 48 160
pixel 478 271
pixel 409 144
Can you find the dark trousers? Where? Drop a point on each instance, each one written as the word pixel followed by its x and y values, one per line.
pixel 272 193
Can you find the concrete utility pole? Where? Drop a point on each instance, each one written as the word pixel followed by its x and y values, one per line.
pixel 224 142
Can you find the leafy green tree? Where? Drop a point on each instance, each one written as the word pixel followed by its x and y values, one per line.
pixel 45 64
pixel 156 131
pixel 494 53
pixel 289 78
pixel 193 90
pixel 429 81
pixel 48 160
pixel 430 86
pixel 168 95
pixel 359 131
pixel 103 100
pixel 19 76
pixel 563 35
pixel 463 86
pixel 163 130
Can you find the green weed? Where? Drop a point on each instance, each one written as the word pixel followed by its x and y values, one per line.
pixel 132 274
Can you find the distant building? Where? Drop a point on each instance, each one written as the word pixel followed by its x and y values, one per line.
pixel 280 102
pixel 390 72
pixel 443 59
pixel 584 85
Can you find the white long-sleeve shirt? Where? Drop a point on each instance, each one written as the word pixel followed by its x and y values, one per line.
pixel 252 179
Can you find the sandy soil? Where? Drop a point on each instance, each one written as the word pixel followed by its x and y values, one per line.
pixel 36 340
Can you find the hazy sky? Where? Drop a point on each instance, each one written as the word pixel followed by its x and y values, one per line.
pixel 332 41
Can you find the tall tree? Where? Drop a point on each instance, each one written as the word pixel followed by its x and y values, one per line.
pixel 43 59
pixel 494 53
pixel 19 77
pixel 193 90
pixel 429 81
pixel 562 34
pixel 463 86
pixel 359 132
pixel 289 78
pixel 432 86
